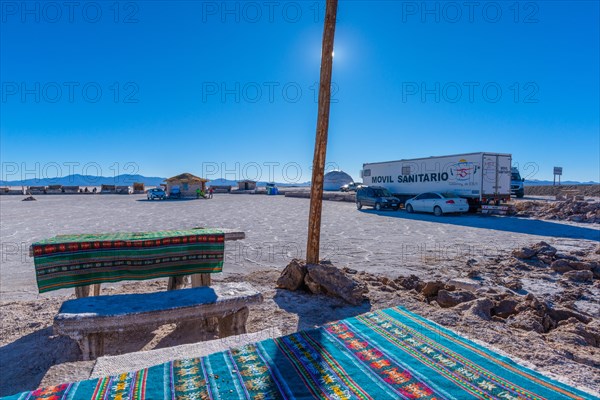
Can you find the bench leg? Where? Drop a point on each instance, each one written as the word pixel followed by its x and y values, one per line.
pixel 82 291
pixel 234 324
pixel 176 282
pixel 92 346
pixel 199 280
pixel 86 291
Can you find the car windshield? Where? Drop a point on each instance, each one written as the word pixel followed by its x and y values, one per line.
pixel 382 193
pixel 515 177
pixel 450 195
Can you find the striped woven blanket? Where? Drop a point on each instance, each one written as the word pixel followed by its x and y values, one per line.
pixel 77 260
pixel 390 354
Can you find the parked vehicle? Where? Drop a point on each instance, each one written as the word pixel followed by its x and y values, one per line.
pixel 517 188
pixel 376 197
pixel 175 193
pixel 156 193
pixel 437 203
pixel 351 187
pixel 481 178
pixel 272 190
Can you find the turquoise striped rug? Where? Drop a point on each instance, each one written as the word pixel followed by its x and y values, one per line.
pixel 389 354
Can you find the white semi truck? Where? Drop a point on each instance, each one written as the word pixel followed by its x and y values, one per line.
pixel 481 178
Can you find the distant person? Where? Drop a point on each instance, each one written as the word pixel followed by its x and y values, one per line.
pixel 198 192
pixel 210 192
pixel 87 190
pixel 202 194
pixel 94 190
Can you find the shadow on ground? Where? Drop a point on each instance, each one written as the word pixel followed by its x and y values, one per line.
pixel 30 357
pixel 25 362
pixel 316 310
pixel 501 223
pixel 187 333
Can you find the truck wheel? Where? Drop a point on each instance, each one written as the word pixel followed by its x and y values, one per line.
pixel 378 206
pixel 358 205
pixel 409 209
pixel 437 211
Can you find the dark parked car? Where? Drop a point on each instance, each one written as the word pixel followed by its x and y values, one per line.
pixel 376 197
pixel 175 193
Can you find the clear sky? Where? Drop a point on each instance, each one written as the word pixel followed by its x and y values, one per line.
pixel 228 88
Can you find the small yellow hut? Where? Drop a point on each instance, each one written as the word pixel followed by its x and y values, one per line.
pixel 187 184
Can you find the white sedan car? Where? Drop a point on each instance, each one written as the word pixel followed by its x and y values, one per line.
pixel 437 203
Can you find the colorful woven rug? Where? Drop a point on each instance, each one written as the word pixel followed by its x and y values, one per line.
pixel 77 260
pixel 390 354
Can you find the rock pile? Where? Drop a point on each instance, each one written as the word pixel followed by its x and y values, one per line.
pixel 569 210
pixel 531 314
pixel 323 278
pixel 573 268
pixel 517 311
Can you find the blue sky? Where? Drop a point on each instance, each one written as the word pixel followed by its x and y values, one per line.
pixel 228 88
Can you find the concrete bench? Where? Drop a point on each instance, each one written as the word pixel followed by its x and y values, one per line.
pixel 213 312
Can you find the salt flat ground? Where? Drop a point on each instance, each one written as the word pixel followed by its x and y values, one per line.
pixel 387 242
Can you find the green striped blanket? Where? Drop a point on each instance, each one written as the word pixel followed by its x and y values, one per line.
pixel 77 260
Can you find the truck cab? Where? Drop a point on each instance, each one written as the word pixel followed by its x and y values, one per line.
pixel 516 184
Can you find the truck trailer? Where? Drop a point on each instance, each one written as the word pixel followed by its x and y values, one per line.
pixel 481 178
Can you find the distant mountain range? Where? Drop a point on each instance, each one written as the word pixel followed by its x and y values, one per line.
pixel 88 180
pixel 119 180
pixel 535 182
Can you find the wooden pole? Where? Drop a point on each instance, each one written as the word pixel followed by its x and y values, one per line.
pixel 316 188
